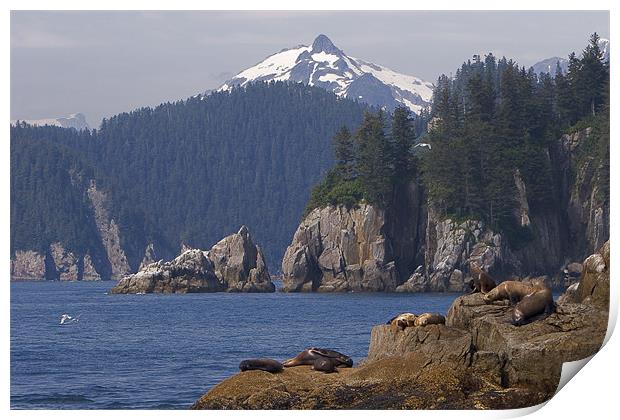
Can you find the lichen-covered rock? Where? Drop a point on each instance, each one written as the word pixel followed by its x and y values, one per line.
pixel 340 249
pixel 234 264
pixel 28 265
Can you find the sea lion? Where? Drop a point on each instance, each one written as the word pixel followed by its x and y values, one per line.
pixel 511 290
pixel 324 365
pixel 481 282
pixel 268 365
pixel 428 319
pixel 403 321
pixel 308 356
pixel 538 302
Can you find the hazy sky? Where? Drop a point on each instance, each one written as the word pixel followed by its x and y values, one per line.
pixel 103 63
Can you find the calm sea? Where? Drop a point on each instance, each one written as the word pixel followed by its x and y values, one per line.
pixel 165 351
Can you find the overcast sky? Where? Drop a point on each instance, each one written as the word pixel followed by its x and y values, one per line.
pixel 103 63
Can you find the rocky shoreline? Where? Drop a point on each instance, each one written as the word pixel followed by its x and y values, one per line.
pixel 477 360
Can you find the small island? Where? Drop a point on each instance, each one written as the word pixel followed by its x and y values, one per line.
pixel 234 264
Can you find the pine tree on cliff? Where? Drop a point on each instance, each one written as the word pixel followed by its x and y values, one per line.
pixel 403 137
pixel 344 151
pixel 591 78
pixel 374 163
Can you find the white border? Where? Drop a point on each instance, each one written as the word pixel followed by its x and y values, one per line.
pixel 592 394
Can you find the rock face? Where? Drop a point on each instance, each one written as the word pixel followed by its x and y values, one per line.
pixel 240 264
pixel 28 265
pixel 478 360
pixel 109 232
pixel 340 249
pixel 415 248
pixel 234 264
pixel 593 286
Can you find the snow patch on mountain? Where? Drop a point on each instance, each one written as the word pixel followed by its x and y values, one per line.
pixel 324 65
pixel 77 121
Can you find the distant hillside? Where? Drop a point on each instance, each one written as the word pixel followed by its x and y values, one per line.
pixel 186 172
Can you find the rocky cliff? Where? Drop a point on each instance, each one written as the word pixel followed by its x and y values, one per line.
pixel 412 247
pixel 235 264
pixel 340 249
pixel 478 360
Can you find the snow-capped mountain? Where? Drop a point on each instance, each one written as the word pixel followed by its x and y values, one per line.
pixel 324 65
pixel 549 65
pixel 77 121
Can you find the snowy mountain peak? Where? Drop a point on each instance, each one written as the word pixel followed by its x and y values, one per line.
pixel 324 65
pixel 323 44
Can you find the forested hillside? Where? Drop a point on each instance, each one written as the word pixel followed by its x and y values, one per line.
pixel 186 172
pixel 491 119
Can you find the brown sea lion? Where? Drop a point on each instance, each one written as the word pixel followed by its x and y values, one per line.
pixel 403 321
pixel 268 365
pixel 324 365
pixel 538 302
pixel 481 282
pixel 428 319
pixel 512 290
pixel 308 356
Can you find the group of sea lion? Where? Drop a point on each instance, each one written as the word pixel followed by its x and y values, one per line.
pixel 530 298
pixel 322 360
pixel 408 319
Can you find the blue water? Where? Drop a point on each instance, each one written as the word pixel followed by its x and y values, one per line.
pixel 165 351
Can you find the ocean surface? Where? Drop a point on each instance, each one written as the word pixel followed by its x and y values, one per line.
pixel 164 351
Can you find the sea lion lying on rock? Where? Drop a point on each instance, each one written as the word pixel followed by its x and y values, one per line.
pixel 309 356
pixel 428 319
pixel 481 282
pixel 268 365
pixel 536 303
pixel 325 365
pixel 403 321
pixel 512 290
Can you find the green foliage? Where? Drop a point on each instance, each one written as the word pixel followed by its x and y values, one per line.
pixel 370 165
pixel 493 118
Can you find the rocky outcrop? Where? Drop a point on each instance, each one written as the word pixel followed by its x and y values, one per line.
pixel 65 263
pixel 190 272
pixel 28 265
pixel 234 264
pixel 340 249
pixel 593 286
pixel 89 273
pixel 150 257
pixel 56 264
pixel 478 360
pixel 240 264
